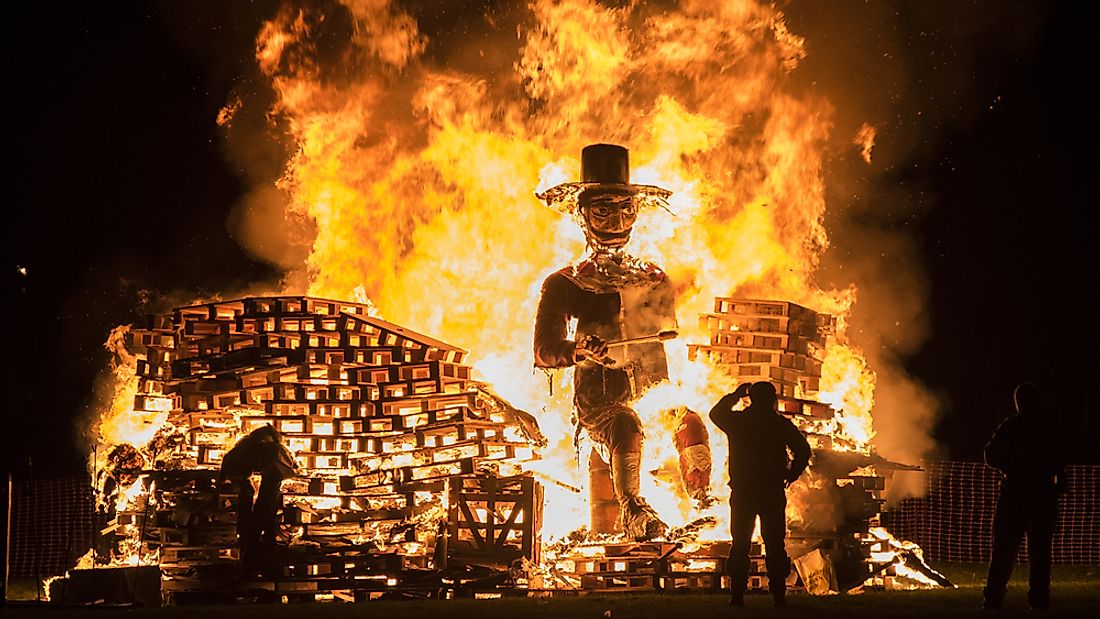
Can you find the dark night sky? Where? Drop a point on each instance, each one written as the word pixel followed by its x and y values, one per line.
pixel 119 191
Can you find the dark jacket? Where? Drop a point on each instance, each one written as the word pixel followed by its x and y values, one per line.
pixel 1029 449
pixel 759 439
pixel 260 451
pixel 631 312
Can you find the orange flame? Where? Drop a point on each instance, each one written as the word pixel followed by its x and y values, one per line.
pixel 865 140
pixel 417 184
pixel 120 423
pixel 414 187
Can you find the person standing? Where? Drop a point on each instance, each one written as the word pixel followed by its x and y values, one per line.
pixel 760 470
pixel 1028 449
pixel 261 451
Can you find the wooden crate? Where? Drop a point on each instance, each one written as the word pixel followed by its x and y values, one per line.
pixel 494 519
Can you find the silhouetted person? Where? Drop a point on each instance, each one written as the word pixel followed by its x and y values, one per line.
pixel 260 451
pixel 760 471
pixel 1028 449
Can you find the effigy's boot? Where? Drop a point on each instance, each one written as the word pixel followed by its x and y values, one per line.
pixel 640 522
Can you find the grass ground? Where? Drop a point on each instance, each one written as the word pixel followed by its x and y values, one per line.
pixel 1076 593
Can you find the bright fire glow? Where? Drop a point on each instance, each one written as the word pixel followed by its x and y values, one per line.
pixel 895 551
pixel 413 185
pixel 433 215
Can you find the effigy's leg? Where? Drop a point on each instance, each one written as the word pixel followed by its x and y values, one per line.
pixel 639 521
pixel 603 504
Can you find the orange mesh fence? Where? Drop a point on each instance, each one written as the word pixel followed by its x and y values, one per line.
pixel 53 519
pixel 954 520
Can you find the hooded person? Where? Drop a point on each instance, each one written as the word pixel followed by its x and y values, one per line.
pixel 612 296
pixel 1028 448
pixel 259 452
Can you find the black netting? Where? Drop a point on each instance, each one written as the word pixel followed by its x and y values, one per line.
pixel 954 521
pixel 51 525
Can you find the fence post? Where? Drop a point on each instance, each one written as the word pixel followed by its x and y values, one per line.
pixel 7 541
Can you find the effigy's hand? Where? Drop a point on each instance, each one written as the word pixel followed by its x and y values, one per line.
pixel 591 347
pixel 704 502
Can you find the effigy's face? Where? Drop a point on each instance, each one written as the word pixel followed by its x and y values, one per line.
pixel 609 218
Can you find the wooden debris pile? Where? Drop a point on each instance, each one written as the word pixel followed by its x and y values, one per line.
pixel 406 465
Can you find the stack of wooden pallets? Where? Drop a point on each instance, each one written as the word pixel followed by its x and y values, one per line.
pixel 393 440
pixel 701 566
pixel 629 567
pixel 777 341
pixel 610 567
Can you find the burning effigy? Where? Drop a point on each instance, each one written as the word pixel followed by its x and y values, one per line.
pixel 619 309
pixel 447 464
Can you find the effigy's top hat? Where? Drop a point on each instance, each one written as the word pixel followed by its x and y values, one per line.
pixel 605 168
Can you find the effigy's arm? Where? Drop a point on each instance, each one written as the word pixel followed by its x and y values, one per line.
pixel 666 303
pixel 552 348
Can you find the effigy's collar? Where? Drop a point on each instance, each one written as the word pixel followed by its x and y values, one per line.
pixel 604 272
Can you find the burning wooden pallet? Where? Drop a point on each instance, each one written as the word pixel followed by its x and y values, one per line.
pixel 702 567
pixel 611 567
pixel 778 341
pixel 387 428
pixel 596 567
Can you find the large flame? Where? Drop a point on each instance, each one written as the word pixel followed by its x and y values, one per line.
pixel 414 184
pixel 119 421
